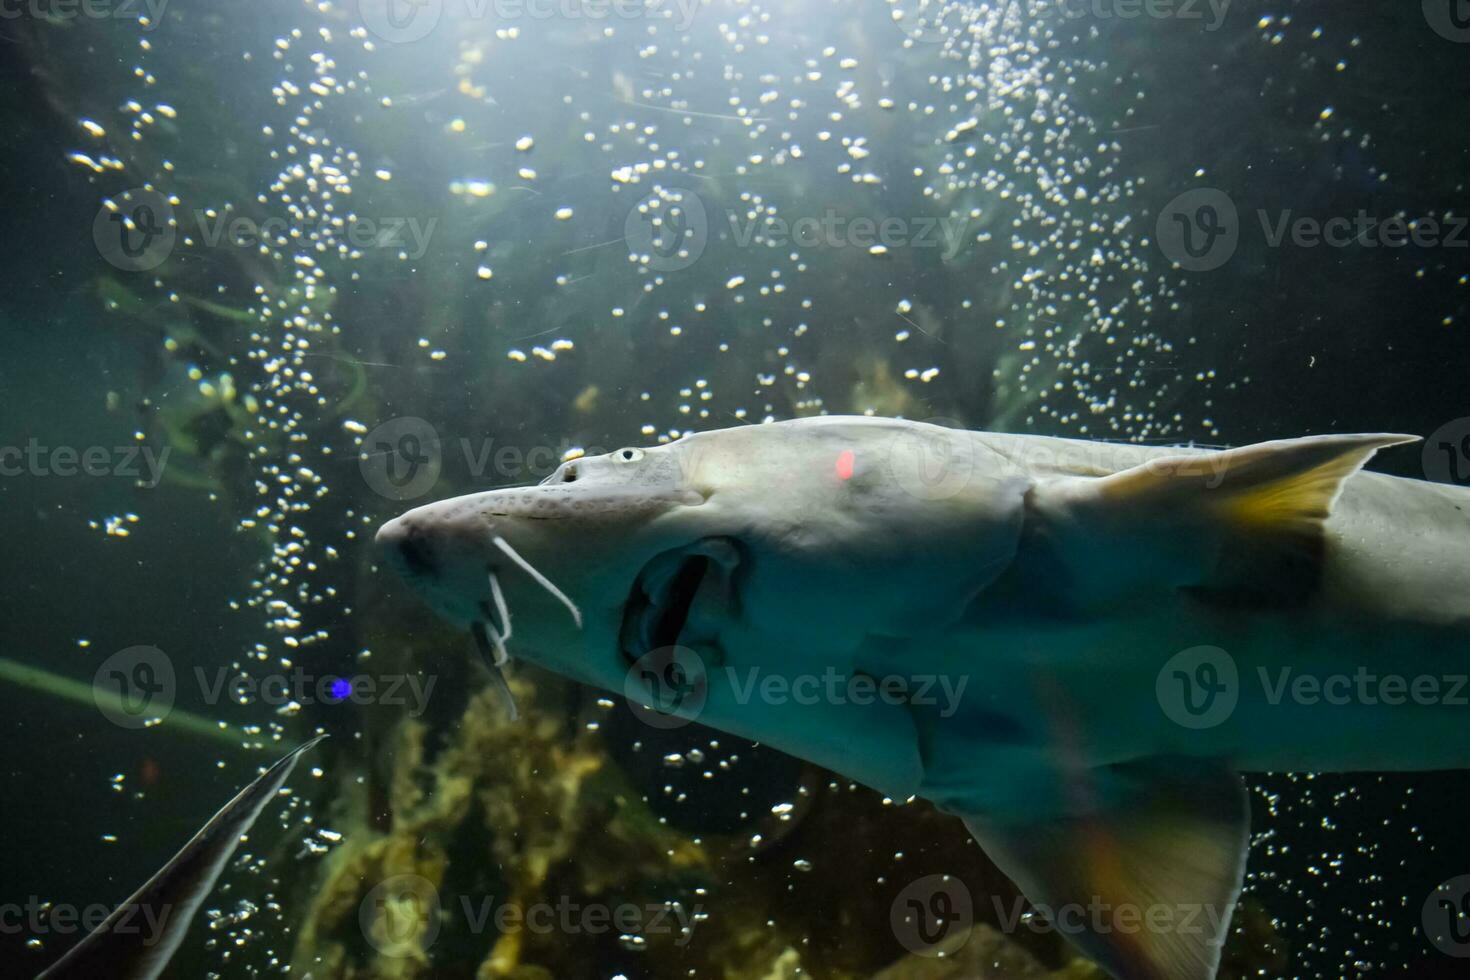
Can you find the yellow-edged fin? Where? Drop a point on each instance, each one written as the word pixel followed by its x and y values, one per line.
pixel 1146 886
pixel 1289 485
pixel 1239 525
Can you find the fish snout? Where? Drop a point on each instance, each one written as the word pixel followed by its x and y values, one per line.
pixel 406 546
pixel 453 553
pixel 443 565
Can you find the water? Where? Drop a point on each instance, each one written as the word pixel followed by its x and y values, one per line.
pixel 279 271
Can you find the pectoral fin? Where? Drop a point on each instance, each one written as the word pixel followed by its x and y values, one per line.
pixel 1146 885
pixel 1240 524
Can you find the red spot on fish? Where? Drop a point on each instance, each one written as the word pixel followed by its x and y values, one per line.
pixel 151 772
pixel 845 461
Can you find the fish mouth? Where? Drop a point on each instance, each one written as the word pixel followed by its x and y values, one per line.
pixel 679 599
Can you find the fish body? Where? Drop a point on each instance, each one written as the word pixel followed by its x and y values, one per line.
pixel 1074 646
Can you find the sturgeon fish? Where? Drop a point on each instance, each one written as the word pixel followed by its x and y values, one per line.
pixel 140 937
pixel 1117 616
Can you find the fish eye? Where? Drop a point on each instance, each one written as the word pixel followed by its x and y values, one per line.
pixel 628 455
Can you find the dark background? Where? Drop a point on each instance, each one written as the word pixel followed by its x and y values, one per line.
pixel 1317 340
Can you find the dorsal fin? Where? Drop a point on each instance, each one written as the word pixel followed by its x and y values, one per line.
pixel 1242 523
pixel 1287 486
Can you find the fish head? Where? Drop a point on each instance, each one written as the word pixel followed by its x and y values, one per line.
pixel 563 554
pixel 802 538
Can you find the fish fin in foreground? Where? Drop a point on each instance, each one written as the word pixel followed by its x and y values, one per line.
pixel 1244 525
pixel 1146 884
pixel 141 935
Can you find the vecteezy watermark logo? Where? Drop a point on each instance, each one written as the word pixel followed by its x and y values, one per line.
pixel 410 691
pixel 39 918
pixel 667 688
pixel 834 230
pixel 831 686
pixel 401 459
pixel 401 916
pixel 136 231
pixel 934 21
pixel 400 21
pixel 933 460
pixel 1099 917
pixel 1446 917
pixel 1450 19
pixel 407 21
pixel 1198 230
pixel 1364 687
pixel 135 688
pixel 1199 687
pixel 933 916
pixel 1364 230
pixel 667 230
pixel 408 235
pixel 1446 453
pixel 1212 12
pixel 148 13
pixel 136 462
pixel 678 13
pixel 139 230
